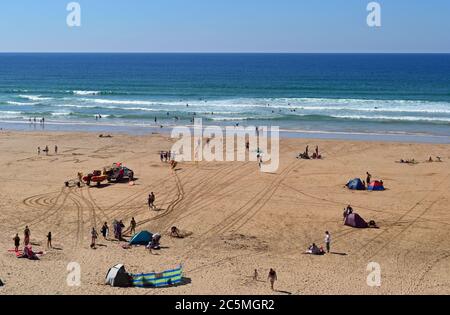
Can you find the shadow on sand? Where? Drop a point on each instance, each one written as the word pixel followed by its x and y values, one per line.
pixel 285 292
pixel 336 253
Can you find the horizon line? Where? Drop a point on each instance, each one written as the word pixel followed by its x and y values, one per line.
pixel 213 52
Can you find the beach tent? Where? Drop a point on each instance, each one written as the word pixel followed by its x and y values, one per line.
pixel 118 277
pixel 375 185
pixel 161 279
pixel 354 220
pixel 141 238
pixel 355 184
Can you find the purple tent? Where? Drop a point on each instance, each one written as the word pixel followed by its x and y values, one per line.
pixel 354 220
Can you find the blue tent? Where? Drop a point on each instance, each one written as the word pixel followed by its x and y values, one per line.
pixel 355 184
pixel 141 238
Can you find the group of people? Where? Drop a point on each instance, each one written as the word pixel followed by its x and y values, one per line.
pixel 413 161
pixel 305 155
pixel 271 277
pixel 315 250
pixel 34 120
pixel 118 227
pixel 46 150
pixel 26 236
pixel 166 156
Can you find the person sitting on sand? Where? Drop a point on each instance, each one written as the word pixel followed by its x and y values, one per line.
pixel 314 250
pixel 174 232
pixel 154 243
pixel 16 240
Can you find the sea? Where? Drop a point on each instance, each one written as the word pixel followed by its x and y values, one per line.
pixel 399 97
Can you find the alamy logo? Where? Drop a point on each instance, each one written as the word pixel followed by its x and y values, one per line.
pixel 374 16
pixel 74 17
pixel 231 143
pixel 374 277
pixel 74 276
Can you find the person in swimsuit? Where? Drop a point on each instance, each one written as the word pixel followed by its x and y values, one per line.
pixel 93 237
pixel 133 226
pixel 27 234
pixel 272 277
pixel 16 240
pixel 49 240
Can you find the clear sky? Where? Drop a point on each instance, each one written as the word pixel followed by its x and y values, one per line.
pixel 225 26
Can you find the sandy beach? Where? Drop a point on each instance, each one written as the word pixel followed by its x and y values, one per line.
pixel 240 218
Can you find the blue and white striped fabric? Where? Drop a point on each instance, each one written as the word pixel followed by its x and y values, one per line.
pixel 154 279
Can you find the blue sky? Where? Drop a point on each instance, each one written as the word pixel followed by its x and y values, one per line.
pixel 225 26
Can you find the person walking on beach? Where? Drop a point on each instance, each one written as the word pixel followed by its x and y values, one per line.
pixel 49 240
pixel 369 177
pixel 46 150
pixel 151 200
pixel 56 149
pixel 105 230
pixel 26 234
pixel 16 240
pixel 133 226
pixel 93 237
pixel 272 277
pixel 39 150
pixel 255 275
pixel 327 241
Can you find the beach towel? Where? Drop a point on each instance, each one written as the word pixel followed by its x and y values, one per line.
pixel 154 279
